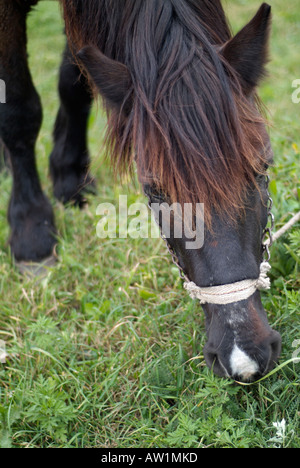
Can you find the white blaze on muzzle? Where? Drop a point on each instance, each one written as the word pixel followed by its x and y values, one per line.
pixel 242 365
pixel 230 293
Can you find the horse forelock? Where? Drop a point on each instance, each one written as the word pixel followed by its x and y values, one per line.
pixel 192 132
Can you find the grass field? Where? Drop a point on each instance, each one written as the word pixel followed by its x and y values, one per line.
pixel 106 351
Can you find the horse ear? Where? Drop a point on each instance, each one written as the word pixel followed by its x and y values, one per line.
pixel 247 52
pixel 112 78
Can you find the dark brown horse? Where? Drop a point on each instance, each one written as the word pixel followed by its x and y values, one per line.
pixel 180 94
pixel 30 214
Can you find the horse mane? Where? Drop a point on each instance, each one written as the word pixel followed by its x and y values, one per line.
pixel 191 130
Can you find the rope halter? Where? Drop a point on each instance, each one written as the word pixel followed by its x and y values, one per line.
pixel 230 293
pixel 242 290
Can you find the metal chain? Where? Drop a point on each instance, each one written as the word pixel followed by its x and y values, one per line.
pixel 267 238
pixel 174 257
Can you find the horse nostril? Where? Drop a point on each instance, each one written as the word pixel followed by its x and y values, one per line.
pixel 214 363
pixel 212 359
pixel 276 344
pixel 275 350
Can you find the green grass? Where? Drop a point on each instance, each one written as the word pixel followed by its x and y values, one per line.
pixel 106 351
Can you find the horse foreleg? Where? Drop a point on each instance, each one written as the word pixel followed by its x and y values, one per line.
pixel 4 157
pixel 69 161
pixel 30 214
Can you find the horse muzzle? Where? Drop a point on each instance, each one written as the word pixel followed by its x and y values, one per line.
pixel 241 345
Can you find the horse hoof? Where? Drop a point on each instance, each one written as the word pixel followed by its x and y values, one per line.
pixel 37 270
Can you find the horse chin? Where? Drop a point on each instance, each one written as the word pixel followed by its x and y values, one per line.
pixel 241 345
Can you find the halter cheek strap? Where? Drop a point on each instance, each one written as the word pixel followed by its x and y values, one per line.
pixel 230 293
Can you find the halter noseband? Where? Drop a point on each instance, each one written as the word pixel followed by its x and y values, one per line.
pixel 230 293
